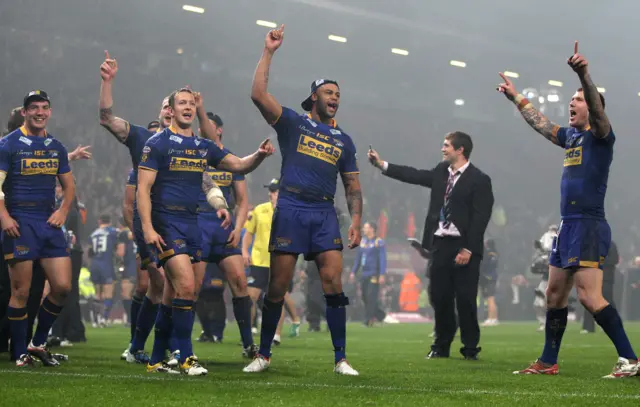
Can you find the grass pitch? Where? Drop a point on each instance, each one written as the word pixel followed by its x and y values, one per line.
pixel 391 361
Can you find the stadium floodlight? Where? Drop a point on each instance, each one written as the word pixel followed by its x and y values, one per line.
pixel 459 102
pixel 541 99
pixel 459 64
pixel 601 90
pixel 400 51
pixel 511 74
pixel 179 51
pixel 193 9
pixel 555 83
pixel 337 38
pixel 265 23
pixel 553 98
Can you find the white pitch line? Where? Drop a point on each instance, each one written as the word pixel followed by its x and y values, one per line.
pixel 339 387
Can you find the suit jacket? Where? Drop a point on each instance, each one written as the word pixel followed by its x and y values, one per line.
pixel 471 201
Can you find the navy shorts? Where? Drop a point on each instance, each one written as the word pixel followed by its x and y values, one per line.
pixel 214 278
pixel 303 231
pixel 38 240
pixel 581 243
pixel 214 238
pixel 487 286
pixel 102 275
pixel 258 277
pixel 143 249
pixel 182 236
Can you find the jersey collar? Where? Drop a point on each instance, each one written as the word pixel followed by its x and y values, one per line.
pixel 174 130
pixel 332 124
pixel 23 130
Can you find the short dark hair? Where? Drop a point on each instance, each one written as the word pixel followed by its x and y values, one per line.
pixel 105 218
pixel 216 119
pixel 373 225
pixel 172 96
pixel 459 139
pixel 153 124
pixel 15 119
pixel 600 94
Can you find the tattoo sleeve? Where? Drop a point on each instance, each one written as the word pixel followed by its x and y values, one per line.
pixel 540 123
pixel 597 117
pixel 353 194
pixel 116 126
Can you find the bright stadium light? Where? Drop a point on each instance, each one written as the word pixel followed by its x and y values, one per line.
pixel 193 9
pixel 541 99
pixel 555 83
pixel 459 64
pixel 264 23
pixel 511 74
pixel 179 51
pixel 400 51
pixel 601 90
pixel 337 38
pixel 459 102
pixel 553 98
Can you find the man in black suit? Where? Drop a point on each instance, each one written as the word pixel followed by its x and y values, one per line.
pixel 459 211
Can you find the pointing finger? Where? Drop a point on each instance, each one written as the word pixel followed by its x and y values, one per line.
pixel 504 78
pixel 281 29
pixel 575 47
pixel 106 54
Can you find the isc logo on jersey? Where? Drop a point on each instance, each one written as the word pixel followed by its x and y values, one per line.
pixel 39 166
pixel 318 149
pixel 573 156
pixel 221 178
pixel 187 164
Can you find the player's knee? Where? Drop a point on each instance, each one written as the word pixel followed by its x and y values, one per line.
pixel 60 292
pixel 20 296
pixel 336 300
pixel 591 301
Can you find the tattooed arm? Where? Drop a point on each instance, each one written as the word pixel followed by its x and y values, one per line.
pixel 598 119
pixel 116 126
pixel 531 115
pixel 353 194
pixel 267 104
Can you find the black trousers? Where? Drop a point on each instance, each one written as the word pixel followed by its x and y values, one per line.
pixel 371 299
pixel 211 310
pixel 69 323
pixel 315 302
pixel 454 287
pixel 588 323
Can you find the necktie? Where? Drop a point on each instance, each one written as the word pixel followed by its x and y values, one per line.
pixel 446 210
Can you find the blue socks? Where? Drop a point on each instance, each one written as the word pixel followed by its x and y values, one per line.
pixel 182 326
pixel 108 304
pixel 18 325
pixel 554 329
pixel 46 317
pixel 337 322
pixel 242 312
pixel 136 303
pixel 164 327
pixel 271 313
pixel 146 319
pixel 609 319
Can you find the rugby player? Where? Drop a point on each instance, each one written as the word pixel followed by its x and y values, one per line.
pixel 30 161
pixel 314 151
pixel 102 251
pixel 220 245
pixel 126 252
pixel 169 183
pixel 584 237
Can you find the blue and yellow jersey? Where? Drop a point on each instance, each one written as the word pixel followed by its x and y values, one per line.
pixel 180 162
pixel 32 164
pixel 125 236
pixel 586 172
pixel 312 156
pixel 103 246
pixel 135 142
pixel 224 180
pixel 371 258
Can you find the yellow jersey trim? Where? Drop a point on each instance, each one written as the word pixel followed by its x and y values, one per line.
pixel 146 168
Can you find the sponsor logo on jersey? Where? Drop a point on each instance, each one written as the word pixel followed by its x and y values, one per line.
pixel 573 156
pixel 335 132
pixel 319 149
pixel 48 141
pixel 179 243
pixel 22 250
pixel 282 242
pixel 221 178
pixel 39 166
pixel 306 130
pixel 176 139
pixel 25 140
pixel 187 164
pixel 203 153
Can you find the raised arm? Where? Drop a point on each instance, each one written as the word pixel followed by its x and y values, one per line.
pixel 531 115
pixel 207 129
pixel 116 126
pixel 353 193
pixel 268 105
pixel 402 173
pixel 600 126
pixel 249 163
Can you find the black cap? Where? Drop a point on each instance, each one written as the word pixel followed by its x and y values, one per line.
pixel 307 104
pixel 216 119
pixel 274 185
pixel 35 95
pixel 153 123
